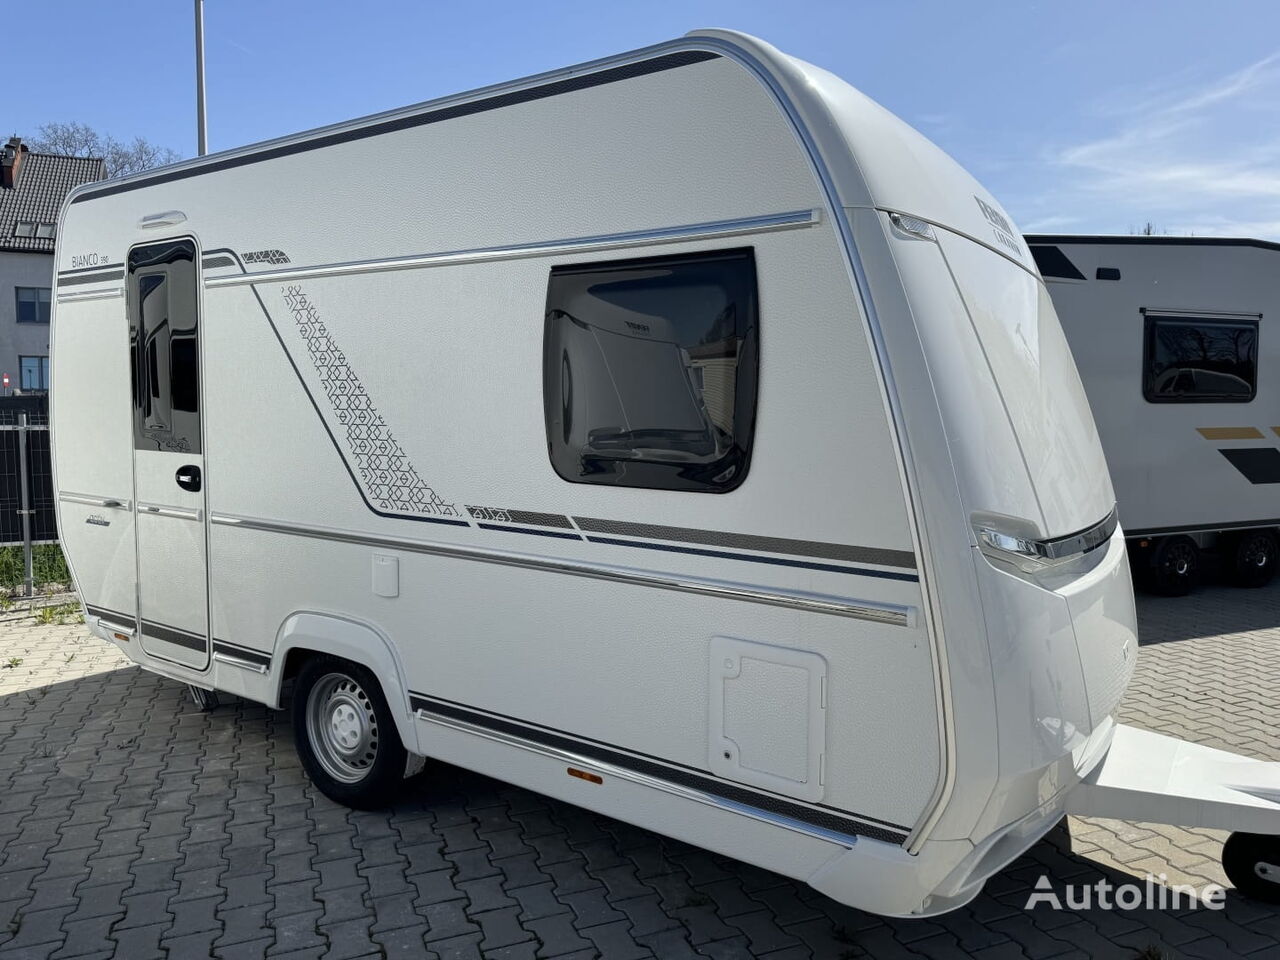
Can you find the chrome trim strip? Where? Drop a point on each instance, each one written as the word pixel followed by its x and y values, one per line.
pixel 116 627
pixel 92 501
pixel 178 513
pixel 687 793
pixel 1075 544
pixel 91 295
pixel 609 241
pixel 888 613
pixel 234 661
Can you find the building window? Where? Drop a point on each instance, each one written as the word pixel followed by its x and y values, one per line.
pixel 1200 360
pixel 33 304
pixel 649 371
pixel 24 228
pixel 33 373
pixel 44 231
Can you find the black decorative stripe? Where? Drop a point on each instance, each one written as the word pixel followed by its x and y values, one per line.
pixel 1052 262
pixel 776 561
pixel 213 263
pixel 100 276
pixel 745 541
pixel 123 619
pixel 180 638
pixel 827 818
pixel 502 515
pixel 540 533
pixel 1258 464
pixel 529 94
pixel 242 653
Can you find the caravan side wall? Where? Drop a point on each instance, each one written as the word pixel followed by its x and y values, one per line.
pixel 1187 462
pixel 359 417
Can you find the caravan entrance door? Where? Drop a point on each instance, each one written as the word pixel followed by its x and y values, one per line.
pixel 168 460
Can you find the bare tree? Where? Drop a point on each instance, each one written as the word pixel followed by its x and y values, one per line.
pixel 77 139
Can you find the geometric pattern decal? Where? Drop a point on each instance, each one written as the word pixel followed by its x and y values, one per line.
pixel 381 463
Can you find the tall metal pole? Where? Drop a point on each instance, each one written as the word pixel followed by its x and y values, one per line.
pixel 25 503
pixel 202 133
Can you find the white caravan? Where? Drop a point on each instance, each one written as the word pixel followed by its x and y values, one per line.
pixel 680 435
pixel 1185 387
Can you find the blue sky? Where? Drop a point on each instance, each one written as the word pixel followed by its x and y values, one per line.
pixel 1081 116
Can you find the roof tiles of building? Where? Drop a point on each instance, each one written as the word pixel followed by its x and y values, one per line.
pixel 42 184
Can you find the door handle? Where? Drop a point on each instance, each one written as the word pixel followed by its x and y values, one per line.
pixel 188 477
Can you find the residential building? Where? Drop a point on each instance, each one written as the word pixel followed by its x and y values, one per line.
pixel 32 189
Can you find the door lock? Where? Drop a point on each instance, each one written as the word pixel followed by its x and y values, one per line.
pixel 188 477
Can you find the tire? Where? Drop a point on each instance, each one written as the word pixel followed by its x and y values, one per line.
pixel 1252 864
pixel 345 734
pixel 1254 557
pixel 1175 567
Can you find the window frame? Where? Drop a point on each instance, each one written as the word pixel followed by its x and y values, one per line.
pixel 46 301
pixel 1151 322
pixel 747 378
pixel 43 367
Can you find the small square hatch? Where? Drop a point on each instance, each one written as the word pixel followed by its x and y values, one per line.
pixel 768 718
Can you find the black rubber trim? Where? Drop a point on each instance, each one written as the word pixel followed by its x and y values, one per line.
pixel 775 561
pixel 100 276
pixel 243 653
pixel 323 422
pixel 746 541
pixel 827 818
pixel 538 533
pixel 1068 239
pixel 1258 464
pixel 179 638
pixel 1052 262
pixel 569 85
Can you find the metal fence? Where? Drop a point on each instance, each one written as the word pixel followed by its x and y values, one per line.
pixel 29 552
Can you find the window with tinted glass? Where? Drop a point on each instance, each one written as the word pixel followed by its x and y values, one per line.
pixel 164 342
pixel 649 371
pixel 1200 360
pixel 33 304
pixel 33 373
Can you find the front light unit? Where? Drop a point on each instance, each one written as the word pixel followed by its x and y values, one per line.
pixel 1010 542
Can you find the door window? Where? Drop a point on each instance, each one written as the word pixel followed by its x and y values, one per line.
pixel 164 339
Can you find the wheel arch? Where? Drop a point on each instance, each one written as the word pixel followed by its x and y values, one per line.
pixel 306 633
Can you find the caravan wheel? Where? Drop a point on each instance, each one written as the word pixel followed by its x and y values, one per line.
pixel 1252 864
pixel 1256 553
pixel 1175 567
pixel 345 734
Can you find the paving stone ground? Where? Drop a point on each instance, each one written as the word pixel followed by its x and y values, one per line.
pixel 132 825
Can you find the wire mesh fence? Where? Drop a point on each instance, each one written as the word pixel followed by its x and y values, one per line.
pixel 31 560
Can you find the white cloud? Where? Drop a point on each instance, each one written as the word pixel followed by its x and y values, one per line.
pixel 1195 157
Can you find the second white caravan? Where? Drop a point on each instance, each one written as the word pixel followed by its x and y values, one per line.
pixel 1168 334
pixel 680 435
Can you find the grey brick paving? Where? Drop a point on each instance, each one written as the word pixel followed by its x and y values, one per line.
pixel 134 826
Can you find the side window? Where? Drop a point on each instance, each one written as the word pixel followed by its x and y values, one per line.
pixel 1200 360
pixel 649 371
pixel 163 297
pixel 33 304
